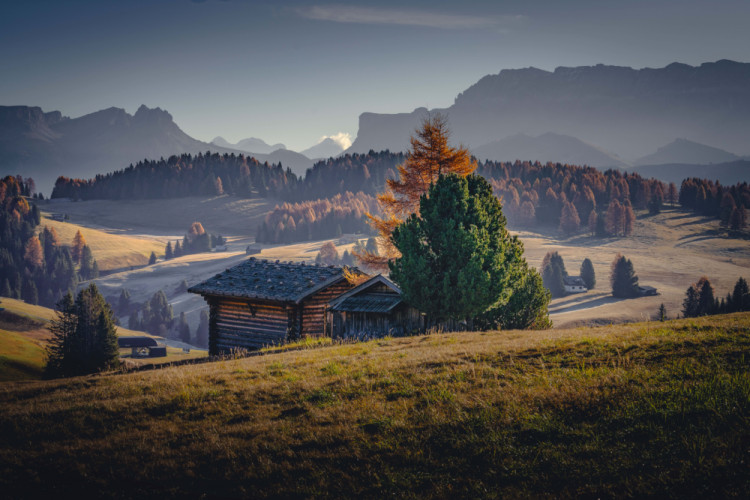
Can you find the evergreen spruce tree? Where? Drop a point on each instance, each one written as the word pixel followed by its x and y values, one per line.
pixel 706 300
pixel 554 274
pixel 661 314
pixel 89 268
pixel 587 273
pixel 168 254
pixel 201 334
pixel 123 303
pixel 741 296
pixel 152 259
pixel 184 329
pixel 84 338
pixel 690 304
pixel 457 258
pixel 623 278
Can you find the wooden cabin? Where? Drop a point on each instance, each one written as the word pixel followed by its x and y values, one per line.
pixel 259 303
pixel 373 309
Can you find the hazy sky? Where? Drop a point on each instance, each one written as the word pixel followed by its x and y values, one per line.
pixel 295 71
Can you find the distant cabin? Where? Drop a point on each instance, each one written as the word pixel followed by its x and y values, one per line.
pixel 260 302
pixel 574 284
pixel 373 309
pixel 647 291
pixel 142 347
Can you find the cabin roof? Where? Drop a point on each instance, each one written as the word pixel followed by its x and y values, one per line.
pixel 268 280
pixel 134 341
pixel 573 281
pixel 369 302
pixel 359 299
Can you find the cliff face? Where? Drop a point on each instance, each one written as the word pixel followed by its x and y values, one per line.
pixel 623 110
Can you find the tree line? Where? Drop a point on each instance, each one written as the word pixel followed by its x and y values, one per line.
pixel 701 301
pixel 317 219
pixel 727 203
pixel 184 175
pixel 35 266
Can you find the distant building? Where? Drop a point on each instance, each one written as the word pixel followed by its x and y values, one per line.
pixel 574 284
pixel 373 309
pixel 647 290
pixel 143 347
pixel 259 303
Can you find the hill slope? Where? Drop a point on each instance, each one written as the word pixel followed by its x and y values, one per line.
pixel 628 111
pixel 655 409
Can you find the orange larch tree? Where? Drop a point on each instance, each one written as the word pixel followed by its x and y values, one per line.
pixel 430 157
pixel 76 249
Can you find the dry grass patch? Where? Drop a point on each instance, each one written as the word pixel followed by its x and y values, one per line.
pixel 657 409
pixel 111 251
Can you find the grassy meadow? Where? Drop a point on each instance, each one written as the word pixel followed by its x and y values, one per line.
pixel 24 336
pixel 111 251
pixel 637 410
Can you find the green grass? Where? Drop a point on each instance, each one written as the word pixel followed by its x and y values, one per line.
pixel 641 410
pixel 24 335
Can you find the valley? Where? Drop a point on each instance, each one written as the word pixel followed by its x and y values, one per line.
pixel 670 251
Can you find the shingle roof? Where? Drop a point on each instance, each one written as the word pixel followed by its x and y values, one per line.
pixel 264 279
pixel 573 281
pixel 369 302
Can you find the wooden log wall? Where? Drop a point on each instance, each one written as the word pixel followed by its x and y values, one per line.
pixel 238 324
pixel 314 309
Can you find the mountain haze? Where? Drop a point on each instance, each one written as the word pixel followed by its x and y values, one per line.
pixel 545 148
pixel 249 145
pixel 687 152
pixel 627 111
pixel 324 149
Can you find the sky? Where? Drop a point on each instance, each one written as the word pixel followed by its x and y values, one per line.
pixel 297 71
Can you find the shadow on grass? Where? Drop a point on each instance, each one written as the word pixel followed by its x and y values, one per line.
pixel 601 300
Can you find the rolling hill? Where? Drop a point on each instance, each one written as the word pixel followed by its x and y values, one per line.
pixel 643 410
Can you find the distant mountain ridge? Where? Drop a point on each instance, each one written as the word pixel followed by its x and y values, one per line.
pixel 251 144
pixel 687 152
pixel 628 111
pixel 326 148
pixel 545 148
pixel 46 145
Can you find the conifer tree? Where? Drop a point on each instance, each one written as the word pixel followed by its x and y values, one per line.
pixel 706 300
pixel 89 268
pixel 587 273
pixel 76 249
pixel 184 329
pixel 201 334
pixel 554 274
pixel 623 278
pixel 457 258
pixel 690 304
pixel 168 254
pixel 428 158
pixel 123 303
pixel 84 338
pixel 570 223
pixel 661 314
pixel 741 296
pixel 33 253
pixel 152 259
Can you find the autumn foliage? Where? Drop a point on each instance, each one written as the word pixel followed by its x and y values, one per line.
pixel 430 157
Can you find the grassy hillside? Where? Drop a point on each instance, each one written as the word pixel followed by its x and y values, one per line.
pixel 111 251
pixel 649 409
pixel 24 335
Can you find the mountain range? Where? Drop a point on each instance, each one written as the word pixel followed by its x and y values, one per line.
pixel 250 144
pixel 46 145
pixel 625 111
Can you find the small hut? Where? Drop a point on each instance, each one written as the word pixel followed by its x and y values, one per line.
pixel 373 309
pixel 259 303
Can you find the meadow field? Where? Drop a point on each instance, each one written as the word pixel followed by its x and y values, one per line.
pixel 24 336
pixel 670 251
pixel 650 409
